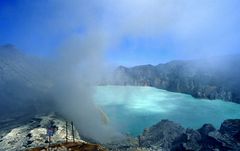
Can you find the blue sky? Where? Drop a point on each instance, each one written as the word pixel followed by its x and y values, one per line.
pixel 133 32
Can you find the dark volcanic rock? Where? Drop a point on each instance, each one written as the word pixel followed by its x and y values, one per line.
pixel 187 141
pixel 161 135
pixel 167 135
pixel 231 127
pixel 208 138
pixel 206 128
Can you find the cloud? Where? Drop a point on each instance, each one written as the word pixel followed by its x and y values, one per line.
pixel 209 26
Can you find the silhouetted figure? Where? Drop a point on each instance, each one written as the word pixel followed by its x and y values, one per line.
pixel 51 129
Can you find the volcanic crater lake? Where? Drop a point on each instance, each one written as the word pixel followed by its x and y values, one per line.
pixel 133 108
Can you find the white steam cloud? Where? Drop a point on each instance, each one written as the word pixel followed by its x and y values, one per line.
pixel 63 83
pixel 79 67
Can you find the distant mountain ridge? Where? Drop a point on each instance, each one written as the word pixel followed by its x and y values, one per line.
pixel 211 78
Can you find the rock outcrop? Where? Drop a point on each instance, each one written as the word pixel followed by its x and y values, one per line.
pixel 205 138
pixel 160 135
pixel 169 136
pixel 231 128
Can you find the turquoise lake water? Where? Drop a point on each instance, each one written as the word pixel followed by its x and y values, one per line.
pixel 133 108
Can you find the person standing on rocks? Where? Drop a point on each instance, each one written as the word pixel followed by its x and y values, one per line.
pixel 50 130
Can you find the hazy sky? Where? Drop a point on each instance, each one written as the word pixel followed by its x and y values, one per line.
pixel 133 31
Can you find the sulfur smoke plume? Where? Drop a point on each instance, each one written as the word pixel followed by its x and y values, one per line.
pixel 63 83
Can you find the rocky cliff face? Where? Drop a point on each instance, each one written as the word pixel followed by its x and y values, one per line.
pixel 214 78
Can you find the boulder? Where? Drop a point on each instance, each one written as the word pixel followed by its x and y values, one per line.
pixel 231 127
pixel 161 135
pixel 206 128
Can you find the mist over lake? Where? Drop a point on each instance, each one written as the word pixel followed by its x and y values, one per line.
pixel 133 108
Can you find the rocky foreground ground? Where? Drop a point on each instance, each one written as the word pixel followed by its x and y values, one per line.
pixel 34 133
pixel 164 136
pixel 169 136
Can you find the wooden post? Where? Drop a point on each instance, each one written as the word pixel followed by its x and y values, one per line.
pixel 73 132
pixel 49 143
pixel 66 131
